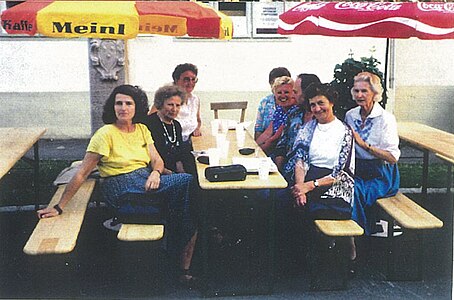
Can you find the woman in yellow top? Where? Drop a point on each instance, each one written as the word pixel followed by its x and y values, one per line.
pixel 128 161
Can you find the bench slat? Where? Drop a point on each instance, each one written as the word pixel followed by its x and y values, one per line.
pixel 339 227
pixel 409 214
pixel 450 160
pixel 59 234
pixel 140 232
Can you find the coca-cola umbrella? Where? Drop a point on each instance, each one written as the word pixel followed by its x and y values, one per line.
pixel 423 20
pixel 115 19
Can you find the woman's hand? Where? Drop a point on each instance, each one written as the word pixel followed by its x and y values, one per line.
pixel 153 181
pixel 180 167
pixel 267 139
pixel 359 140
pixel 300 190
pixel 197 132
pixel 47 212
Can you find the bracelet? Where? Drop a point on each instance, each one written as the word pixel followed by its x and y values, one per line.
pixel 158 172
pixel 58 209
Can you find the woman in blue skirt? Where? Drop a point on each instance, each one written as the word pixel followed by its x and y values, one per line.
pixel 377 150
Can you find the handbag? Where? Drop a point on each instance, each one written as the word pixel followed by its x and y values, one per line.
pixel 226 173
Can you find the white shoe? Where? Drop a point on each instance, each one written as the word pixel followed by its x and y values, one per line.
pixel 112 224
pixel 384 224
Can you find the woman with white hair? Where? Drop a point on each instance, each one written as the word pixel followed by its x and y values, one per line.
pixel 377 150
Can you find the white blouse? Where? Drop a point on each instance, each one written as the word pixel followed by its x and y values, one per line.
pixel 326 144
pixel 188 116
pixel 380 130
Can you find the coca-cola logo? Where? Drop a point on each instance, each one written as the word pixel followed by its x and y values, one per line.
pixel 368 6
pixel 440 7
pixel 309 6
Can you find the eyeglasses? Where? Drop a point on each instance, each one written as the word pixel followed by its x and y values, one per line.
pixel 189 79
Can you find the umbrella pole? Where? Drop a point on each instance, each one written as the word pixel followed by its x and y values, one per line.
pixel 385 81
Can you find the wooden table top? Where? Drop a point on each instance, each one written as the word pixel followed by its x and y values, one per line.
pixel 14 143
pixel 426 137
pixel 275 180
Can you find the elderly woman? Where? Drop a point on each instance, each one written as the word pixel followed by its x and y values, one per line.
pixel 167 132
pixel 321 165
pixel 185 76
pixel 322 159
pixel 128 162
pixel 285 99
pixel 377 149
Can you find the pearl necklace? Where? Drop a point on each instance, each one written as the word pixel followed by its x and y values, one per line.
pixel 174 138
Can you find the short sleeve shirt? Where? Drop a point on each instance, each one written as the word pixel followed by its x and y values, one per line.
pixel 265 112
pixel 379 130
pixel 121 152
pixel 188 116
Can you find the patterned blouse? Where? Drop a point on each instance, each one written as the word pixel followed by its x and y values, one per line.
pixel 342 172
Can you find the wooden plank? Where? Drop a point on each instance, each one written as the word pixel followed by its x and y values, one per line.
pixel 339 227
pixel 59 234
pixel 426 137
pixel 409 214
pixel 140 232
pixel 275 180
pixel 14 143
pixel 451 161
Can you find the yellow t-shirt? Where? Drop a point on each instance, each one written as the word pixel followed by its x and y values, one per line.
pixel 121 152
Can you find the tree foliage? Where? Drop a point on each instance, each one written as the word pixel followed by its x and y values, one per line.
pixel 343 81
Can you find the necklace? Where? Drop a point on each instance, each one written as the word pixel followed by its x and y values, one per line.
pixel 173 139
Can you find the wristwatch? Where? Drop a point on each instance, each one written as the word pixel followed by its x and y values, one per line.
pixel 316 184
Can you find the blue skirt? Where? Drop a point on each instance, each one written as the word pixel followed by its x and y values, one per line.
pixel 374 179
pixel 175 189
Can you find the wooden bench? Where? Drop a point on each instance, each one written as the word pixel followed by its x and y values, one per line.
pixel 339 227
pixel 329 258
pixel 140 232
pixel 59 234
pixel 405 252
pixel 450 162
pixel 409 214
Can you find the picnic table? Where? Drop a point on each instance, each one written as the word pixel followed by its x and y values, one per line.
pixel 252 182
pixel 14 144
pixel 427 139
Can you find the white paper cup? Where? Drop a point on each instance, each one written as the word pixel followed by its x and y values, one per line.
pixel 264 169
pixel 240 141
pixel 223 126
pixel 215 127
pixel 220 138
pixel 214 156
pixel 225 149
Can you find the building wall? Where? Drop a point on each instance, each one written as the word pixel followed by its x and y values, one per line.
pixel 45 81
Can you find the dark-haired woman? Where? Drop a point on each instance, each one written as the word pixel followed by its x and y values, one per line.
pixel 320 169
pixel 128 161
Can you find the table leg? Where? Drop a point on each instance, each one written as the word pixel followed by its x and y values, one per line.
pixel 425 173
pixel 36 172
pixel 448 187
pixel 272 239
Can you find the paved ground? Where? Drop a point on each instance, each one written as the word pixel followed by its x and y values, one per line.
pixel 103 267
